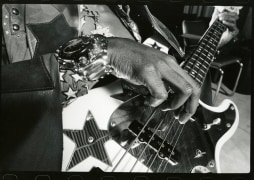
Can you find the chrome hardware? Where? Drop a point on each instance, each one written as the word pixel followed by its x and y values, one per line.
pixel 90 139
pixel 15 11
pixel 15 27
pixel 199 154
pixel 216 121
pixel 113 123
pixel 228 125
pixel 200 169
pixel 211 164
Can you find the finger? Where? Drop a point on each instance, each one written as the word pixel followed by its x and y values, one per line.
pixel 190 108
pixel 182 89
pixel 181 83
pixel 230 24
pixel 229 15
pixel 155 86
pixel 223 17
pixel 231 27
pixel 191 102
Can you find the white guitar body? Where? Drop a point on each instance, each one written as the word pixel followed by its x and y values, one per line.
pixel 101 105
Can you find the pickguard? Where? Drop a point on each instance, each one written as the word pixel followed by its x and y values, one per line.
pixel 112 117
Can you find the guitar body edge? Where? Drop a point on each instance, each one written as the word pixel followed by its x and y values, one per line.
pixel 220 108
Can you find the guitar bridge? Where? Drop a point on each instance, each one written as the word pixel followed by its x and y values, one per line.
pixel 163 149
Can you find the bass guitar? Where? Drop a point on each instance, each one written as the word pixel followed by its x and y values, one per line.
pixel 111 128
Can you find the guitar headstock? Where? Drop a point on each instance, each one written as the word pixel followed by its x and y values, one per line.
pixel 235 9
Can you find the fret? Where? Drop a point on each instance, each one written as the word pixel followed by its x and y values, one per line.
pixel 200 75
pixel 210 38
pixel 195 72
pixel 202 65
pixel 186 66
pixel 191 63
pixel 199 81
pixel 192 75
pixel 208 45
pixel 217 31
pixel 198 63
pixel 206 56
pixel 209 41
pixel 202 71
pixel 201 62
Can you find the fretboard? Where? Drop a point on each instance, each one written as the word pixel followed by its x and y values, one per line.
pixel 198 62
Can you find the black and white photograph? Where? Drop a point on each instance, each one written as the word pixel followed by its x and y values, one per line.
pixel 139 88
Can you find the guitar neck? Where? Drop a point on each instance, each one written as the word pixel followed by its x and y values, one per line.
pixel 198 62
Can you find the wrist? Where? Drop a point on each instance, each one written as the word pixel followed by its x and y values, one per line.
pixel 86 56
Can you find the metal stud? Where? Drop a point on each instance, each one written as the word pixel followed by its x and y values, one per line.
pixel 15 11
pixel 90 139
pixel 113 123
pixel 228 125
pixel 15 27
pixel 211 164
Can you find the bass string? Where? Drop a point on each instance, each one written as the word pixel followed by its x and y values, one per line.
pixel 166 137
pixel 174 146
pixel 136 138
pixel 148 143
pixel 169 91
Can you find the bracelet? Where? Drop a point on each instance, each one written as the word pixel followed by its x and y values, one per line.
pixel 86 56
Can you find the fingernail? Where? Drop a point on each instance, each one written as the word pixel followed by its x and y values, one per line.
pixel 166 109
pixel 182 121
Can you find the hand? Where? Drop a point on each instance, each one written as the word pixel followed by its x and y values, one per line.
pixel 147 66
pixel 229 19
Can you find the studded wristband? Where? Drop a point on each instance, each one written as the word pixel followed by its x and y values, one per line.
pixel 86 56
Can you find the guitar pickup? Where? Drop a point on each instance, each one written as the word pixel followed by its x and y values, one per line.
pixel 160 146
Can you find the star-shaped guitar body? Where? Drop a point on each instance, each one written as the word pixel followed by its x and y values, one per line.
pixel 89 142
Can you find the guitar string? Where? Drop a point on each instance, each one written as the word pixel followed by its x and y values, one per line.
pixel 117 154
pixel 166 137
pixel 216 27
pixel 184 124
pixel 212 38
pixel 133 142
pixel 169 91
pixel 194 52
pixel 148 143
pixel 139 146
pixel 180 131
pixel 114 158
pixel 172 148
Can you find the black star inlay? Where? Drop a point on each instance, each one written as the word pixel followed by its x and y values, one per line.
pixel 155 46
pixel 52 34
pixel 89 142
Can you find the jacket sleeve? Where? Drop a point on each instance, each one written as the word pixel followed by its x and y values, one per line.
pixel 31 116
